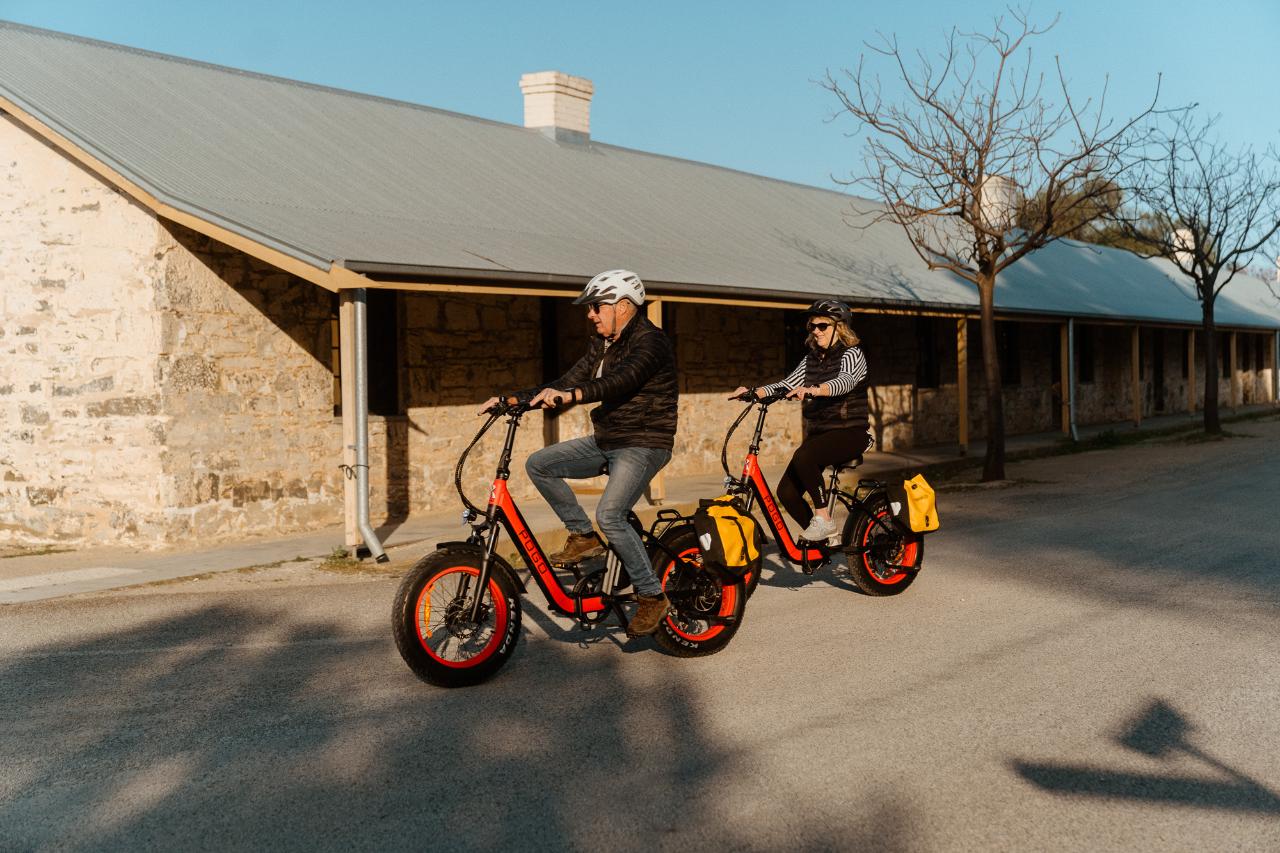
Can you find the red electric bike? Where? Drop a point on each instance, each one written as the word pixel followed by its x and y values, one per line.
pixel 883 558
pixel 456 616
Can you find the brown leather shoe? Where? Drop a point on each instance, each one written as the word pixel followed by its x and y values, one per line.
pixel 649 615
pixel 579 546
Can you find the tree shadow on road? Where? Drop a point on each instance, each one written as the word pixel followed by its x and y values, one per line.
pixel 239 727
pixel 1159 732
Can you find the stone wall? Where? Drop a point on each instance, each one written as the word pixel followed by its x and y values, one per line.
pixel 495 344
pixel 458 351
pixel 718 349
pixel 156 386
pixel 246 380
pixel 83 431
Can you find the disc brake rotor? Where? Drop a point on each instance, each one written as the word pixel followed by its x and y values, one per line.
pixel 457 618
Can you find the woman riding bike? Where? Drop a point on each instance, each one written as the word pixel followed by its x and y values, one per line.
pixel 831 382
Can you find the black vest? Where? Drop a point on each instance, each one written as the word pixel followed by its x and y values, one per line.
pixel 827 413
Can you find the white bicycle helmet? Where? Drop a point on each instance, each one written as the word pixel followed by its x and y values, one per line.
pixel 611 287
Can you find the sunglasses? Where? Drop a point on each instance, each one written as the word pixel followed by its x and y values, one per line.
pixel 594 307
pixel 819 327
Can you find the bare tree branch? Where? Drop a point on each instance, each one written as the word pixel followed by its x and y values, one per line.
pixel 1208 209
pixel 978 166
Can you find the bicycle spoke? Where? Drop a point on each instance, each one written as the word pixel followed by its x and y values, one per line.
pixel 444 628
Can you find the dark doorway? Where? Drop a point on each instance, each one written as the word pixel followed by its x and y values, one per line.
pixel 1157 369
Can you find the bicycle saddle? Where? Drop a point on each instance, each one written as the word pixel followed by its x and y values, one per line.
pixel 848 466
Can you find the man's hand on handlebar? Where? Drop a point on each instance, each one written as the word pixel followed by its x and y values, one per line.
pixel 488 406
pixel 803 391
pixel 551 398
pixel 744 393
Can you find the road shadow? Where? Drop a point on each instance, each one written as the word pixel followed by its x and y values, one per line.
pixel 1191 537
pixel 1159 732
pixel 780 574
pixel 238 727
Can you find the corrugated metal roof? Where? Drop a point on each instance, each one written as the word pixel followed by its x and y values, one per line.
pixel 326 175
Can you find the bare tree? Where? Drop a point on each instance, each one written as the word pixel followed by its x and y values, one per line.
pixel 982 163
pixel 1209 209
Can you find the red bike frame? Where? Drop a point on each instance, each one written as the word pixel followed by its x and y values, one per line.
pixel 502 512
pixel 752 474
pixel 502 507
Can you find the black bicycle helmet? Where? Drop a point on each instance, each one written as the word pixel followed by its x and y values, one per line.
pixel 833 308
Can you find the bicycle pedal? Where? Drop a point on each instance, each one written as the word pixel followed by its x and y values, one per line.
pixel 575 568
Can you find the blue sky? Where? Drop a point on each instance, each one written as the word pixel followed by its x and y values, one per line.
pixel 729 83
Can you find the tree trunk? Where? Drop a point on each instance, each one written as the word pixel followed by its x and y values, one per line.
pixel 1212 425
pixel 993 464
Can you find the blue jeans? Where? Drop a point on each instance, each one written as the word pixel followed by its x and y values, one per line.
pixel 630 470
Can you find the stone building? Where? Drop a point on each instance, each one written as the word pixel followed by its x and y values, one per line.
pixel 177 240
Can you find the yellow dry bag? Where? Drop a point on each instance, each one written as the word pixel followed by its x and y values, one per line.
pixel 920 504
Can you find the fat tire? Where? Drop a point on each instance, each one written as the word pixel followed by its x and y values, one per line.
pixel 404 619
pixel 858 530
pixel 731 596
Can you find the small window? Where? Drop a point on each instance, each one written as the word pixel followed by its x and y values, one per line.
pixel 548 320
pixel 1055 357
pixel 1224 354
pixel 1142 354
pixel 335 356
pixel 794 334
pixel 927 361
pixel 1186 351
pixel 382 319
pixel 1243 344
pixel 1007 344
pixel 1084 354
pixel 1259 349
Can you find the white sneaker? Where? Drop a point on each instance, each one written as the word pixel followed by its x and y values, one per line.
pixel 819 529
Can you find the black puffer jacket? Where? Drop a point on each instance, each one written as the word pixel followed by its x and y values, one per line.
pixel 637 389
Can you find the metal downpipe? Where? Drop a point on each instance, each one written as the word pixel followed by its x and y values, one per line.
pixel 361 354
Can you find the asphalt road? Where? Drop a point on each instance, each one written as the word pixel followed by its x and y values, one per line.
pixel 1090 660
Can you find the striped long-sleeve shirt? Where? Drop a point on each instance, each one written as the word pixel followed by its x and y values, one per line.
pixel 853 371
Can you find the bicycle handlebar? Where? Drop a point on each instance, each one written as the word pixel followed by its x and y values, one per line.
pixel 507 405
pixel 749 397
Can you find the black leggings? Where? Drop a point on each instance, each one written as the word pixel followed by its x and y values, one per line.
pixel 804 473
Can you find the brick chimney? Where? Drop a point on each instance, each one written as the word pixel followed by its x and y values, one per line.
pixel 558 104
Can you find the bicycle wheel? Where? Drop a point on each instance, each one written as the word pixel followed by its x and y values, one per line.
pixel 886 561
pixel 705 610
pixel 432 625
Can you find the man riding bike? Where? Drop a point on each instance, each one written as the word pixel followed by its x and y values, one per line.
pixel 832 383
pixel 630 369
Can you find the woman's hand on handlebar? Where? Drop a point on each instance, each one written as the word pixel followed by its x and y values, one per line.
pixel 801 392
pixel 744 393
pixel 488 406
